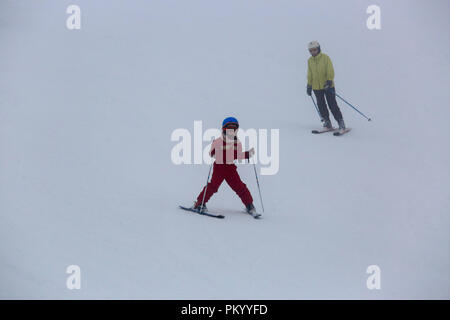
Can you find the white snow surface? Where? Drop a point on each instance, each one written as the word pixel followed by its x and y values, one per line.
pixel 86 176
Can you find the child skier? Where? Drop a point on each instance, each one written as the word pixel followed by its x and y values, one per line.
pixel 225 150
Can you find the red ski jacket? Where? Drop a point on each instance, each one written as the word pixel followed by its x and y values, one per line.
pixel 225 151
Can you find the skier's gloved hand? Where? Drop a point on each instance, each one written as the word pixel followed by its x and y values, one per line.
pixel 308 90
pixel 251 152
pixel 328 86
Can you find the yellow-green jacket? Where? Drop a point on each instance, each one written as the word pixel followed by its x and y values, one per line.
pixel 320 69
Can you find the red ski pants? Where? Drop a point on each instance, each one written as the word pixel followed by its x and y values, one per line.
pixel 227 172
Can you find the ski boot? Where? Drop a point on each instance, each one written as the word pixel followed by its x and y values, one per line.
pixel 342 128
pixel 198 207
pixel 250 208
pixel 327 124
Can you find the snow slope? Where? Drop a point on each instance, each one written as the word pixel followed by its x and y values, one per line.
pixel 86 176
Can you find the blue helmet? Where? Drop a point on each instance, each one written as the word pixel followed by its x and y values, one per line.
pixel 230 121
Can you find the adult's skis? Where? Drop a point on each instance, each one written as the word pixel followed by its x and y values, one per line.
pixel 341 132
pixel 323 130
pixel 336 131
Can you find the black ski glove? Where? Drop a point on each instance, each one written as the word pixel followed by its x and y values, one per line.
pixel 328 86
pixel 308 90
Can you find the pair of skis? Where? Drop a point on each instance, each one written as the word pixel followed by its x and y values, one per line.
pixel 213 215
pixel 336 132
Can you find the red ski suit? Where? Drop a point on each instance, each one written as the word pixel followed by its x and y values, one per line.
pixel 225 152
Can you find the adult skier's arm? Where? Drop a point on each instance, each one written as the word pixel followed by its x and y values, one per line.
pixel 309 76
pixel 330 70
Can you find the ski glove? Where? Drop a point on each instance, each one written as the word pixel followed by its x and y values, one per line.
pixel 308 90
pixel 328 86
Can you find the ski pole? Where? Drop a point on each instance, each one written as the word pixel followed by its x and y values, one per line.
pixel 207 180
pixel 257 182
pixel 206 187
pixel 317 109
pixel 368 119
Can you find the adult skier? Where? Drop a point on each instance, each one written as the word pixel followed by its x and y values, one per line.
pixel 320 80
pixel 225 150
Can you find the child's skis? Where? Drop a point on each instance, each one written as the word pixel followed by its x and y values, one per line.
pixel 205 213
pixel 213 215
pixel 254 214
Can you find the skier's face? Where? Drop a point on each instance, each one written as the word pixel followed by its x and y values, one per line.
pixel 314 51
pixel 230 132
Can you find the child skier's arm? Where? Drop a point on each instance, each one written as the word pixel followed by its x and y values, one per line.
pixel 216 147
pixel 243 155
pixel 212 151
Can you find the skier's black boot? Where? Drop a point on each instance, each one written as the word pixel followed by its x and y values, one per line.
pixel 327 124
pixel 199 207
pixel 341 124
pixel 250 208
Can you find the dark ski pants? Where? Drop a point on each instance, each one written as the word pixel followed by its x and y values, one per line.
pixel 227 172
pixel 332 104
